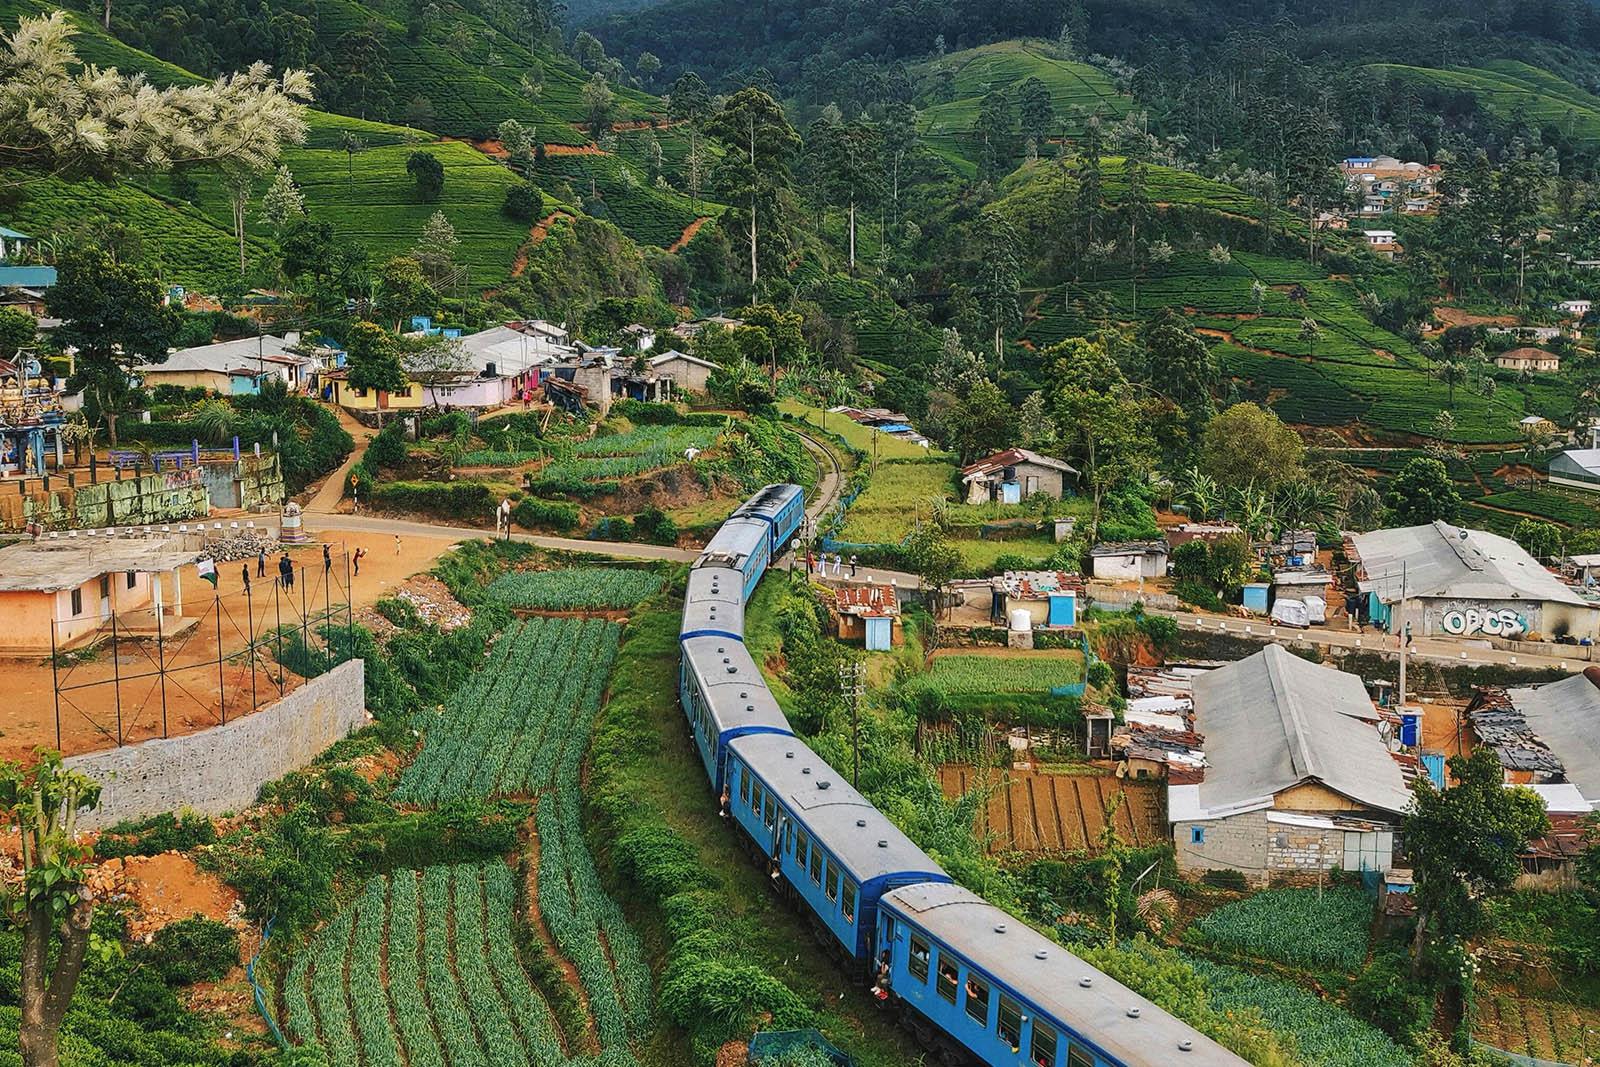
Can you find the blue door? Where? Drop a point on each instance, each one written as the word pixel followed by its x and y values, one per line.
pixel 1063 609
pixel 879 633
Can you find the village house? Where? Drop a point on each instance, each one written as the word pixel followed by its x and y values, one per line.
pixel 1045 598
pixel 1130 560
pixel 1209 532
pixel 56 594
pixel 1448 581
pixel 235 368
pixel 1577 468
pixel 869 613
pixel 1014 475
pixel 689 374
pixel 1299 775
pixel 1576 308
pixel 1330 220
pixel 641 337
pixel 14 274
pixel 336 388
pixel 1534 360
pixel 1384 244
pixel 688 331
pixel 1537 335
pixel 1535 425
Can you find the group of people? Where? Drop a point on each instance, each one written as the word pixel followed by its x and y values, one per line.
pixel 286 565
pixel 821 562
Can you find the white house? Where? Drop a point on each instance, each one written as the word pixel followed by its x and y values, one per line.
pixel 1576 308
pixel 1130 560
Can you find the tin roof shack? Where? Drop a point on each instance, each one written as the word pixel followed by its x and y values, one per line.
pixel 1299 774
pixel 1014 475
pixel 1209 532
pixel 1577 468
pixel 1130 560
pixel 1157 738
pixel 1456 582
pixel 1547 737
pixel 870 614
pixel 55 595
pixel 1049 598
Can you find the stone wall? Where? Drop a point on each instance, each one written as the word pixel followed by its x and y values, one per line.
pixel 152 498
pixel 223 769
pixel 1235 843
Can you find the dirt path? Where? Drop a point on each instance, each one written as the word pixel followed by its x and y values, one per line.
pixel 331 491
pixel 574 150
pixel 536 235
pixel 688 233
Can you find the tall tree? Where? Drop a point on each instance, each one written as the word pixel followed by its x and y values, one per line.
pixel 1248 445
pixel 1422 493
pixel 851 172
pixel 996 132
pixel 759 147
pixel 598 101
pixel 115 316
pixel 998 286
pixel 1091 188
pixel 372 357
pixel 1037 109
pixel 52 905
pixel 1452 373
pixel 899 141
pixel 1182 368
pixel 57 115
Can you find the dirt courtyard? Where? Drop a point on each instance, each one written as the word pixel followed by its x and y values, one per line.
pixel 195 691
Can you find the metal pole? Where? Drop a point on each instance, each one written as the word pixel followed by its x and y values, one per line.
pixel 277 607
pixel 305 633
pixel 249 608
pixel 222 687
pixel 349 605
pixel 116 676
pixel 161 652
pixel 55 682
pixel 327 610
pixel 1404 631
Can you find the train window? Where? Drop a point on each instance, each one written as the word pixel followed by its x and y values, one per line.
pixel 830 885
pixel 1078 1056
pixel 978 999
pixel 948 979
pixel 1042 1049
pixel 816 865
pixel 755 797
pixel 917 960
pixel 1011 1023
pixel 802 844
pixel 744 785
pixel 769 811
pixel 848 903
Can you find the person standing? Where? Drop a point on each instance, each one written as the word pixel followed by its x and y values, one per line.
pixel 327 558
pixel 852 566
pixel 286 571
pixel 246 570
pixel 356 559
pixel 261 562
pixel 397 544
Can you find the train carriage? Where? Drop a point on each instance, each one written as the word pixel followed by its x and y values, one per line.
pixel 836 851
pixel 1011 997
pixel 714 604
pixel 783 508
pixel 724 697
pixel 741 544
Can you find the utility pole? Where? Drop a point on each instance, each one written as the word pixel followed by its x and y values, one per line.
pixel 1404 633
pixel 852 685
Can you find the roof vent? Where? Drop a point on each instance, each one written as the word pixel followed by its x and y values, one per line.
pixel 1185 1045
pixel 744 696
pixel 1086 981
pixel 720 648
pixel 732 670
pixel 1041 954
pixel 999 928
pixel 1133 1012
pixel 789 754
pixel 805 770
pixel 824 784
pixel 861 822
pixel 749 707
pixel 882 843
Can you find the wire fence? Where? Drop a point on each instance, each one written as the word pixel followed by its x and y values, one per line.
pixel 158 663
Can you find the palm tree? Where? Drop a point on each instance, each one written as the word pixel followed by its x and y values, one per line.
pixel 1452 373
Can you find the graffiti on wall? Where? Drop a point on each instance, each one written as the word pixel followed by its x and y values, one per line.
pixel 1491 622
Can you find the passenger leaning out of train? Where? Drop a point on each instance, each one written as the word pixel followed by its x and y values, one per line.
pixel 722 805
pixel 880 988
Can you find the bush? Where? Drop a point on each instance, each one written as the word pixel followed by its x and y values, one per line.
pixel 1192 560
pixel 402 613
pixel 545 514
pixel 460 500
pixel 1226 879
pixel 166 832
pixel 524 202
pixel 1197 594
pixel 654 525
pixel 1384 995
pixel 192 950
pixel 1101 675
pixel 388 449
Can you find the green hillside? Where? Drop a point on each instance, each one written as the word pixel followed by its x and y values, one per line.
pixel 1506 89
pixel 951 90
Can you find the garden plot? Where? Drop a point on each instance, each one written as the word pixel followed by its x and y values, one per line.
pixel 957 674
pixel 1309 928
pixel 606 588
pixel 649 448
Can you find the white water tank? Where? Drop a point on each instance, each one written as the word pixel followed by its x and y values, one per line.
pixel 1021 621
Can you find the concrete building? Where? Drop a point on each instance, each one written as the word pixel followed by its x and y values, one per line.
pixel 1536 360
pixel 1448 581
pixel 56 594
pixel 1130 561
pixel 1577 468
pixel 1014 475
pixel 1298 775
pixel 1048 598
pixel 869 613
pixel 1209 532
pixel 689 374
pixel 1383 243
pixel 234 368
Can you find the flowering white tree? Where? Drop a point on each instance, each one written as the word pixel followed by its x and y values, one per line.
pixel 59 116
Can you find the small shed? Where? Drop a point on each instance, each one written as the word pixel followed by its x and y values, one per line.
pixel 869 613
pixel 1256 595
pixel 1050 598
pixel 1130 560
pixel 1012 476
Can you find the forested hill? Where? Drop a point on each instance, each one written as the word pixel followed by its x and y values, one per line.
pixel 816 49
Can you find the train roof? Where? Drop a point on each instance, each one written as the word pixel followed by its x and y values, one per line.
pixel 842 820
pixel 714 601
pixel 1124 1025
pixel 735 695
pixel 771 499
pixel 734 541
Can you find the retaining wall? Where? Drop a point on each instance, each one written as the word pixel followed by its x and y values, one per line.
pixel 223 769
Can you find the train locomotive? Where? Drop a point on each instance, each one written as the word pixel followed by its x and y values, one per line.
pixel 970 981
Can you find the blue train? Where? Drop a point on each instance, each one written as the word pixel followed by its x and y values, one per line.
pixel 970 981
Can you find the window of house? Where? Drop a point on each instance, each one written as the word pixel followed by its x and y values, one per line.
pixel 978 999
pixel 105 586
pixel 948 979
pixel 816 865
pixel 133 579
pixel 848 901
pixel 830 885
pixel 1010 1023
pixel 1197 835
pixel 1042 1047
pixel 77 601
pixel 917 959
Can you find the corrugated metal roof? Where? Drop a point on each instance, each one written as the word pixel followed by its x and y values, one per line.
pixel 27 277
pixel 1566 717
pixel 1274 720
pixel 1441 560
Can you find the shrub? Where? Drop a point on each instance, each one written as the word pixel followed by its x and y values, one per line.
pixel 1101 675
pixel 192 950
pixel 524 202
pixel 166 832
pixel 1196 594
pixel 548 514
pixel 654 525
pixel 462 500
pixel 388 449
pixel 1192 560
pixel 400 612
pixel 1384 995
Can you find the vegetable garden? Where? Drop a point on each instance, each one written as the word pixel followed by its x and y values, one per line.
pixel 966 675
pixel 1308 928
pixel 580 587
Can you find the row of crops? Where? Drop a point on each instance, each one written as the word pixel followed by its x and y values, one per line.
pixel 647 439
pixel 525 713
pixel 1311 928
pixel 573 588
pixel 421 971
pixel 968 675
